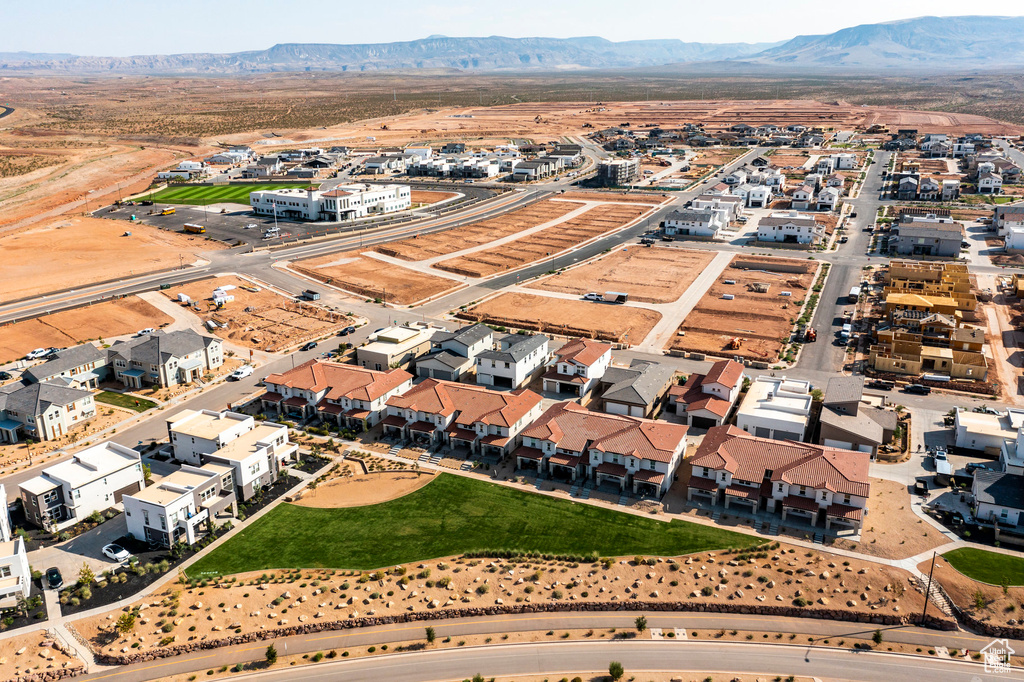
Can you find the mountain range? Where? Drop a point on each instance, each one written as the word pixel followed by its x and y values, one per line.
pixel 922 44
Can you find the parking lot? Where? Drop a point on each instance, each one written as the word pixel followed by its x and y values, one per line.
pixel 228 222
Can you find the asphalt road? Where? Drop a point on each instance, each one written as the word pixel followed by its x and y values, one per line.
pixel 802 657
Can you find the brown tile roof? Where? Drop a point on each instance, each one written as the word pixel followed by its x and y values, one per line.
pixel 340 381
pixel 800 502
pixel 725 372
pixel 844 511
pixel 649 476
pixel 582 351
pixel 701 483
pixel 612 469
pixel 693 396
pixel 529 453
pixel 575 428
pixel 747 458
pixel 473 403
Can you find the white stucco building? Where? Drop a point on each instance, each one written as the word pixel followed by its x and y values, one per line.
pixel 775 408
pixel 344 202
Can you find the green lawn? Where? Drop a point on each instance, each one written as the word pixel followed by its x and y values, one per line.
pixel 215 194
pixel 449 516
pixel 128 402
pixel 988 567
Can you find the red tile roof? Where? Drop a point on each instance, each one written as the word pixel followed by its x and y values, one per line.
pixel 421 426
pixel 272 397
pixel 340 381
pixel 529 453
pixel 701 483
pixel 393 420
pixel 747 458
pixel 461 434
pixel 649 476
pixel 612 469
pixel 743 491
pixel 329 408
pixel 692 395
pixel 564 459
pixel 844 511
pixel 799 502
pixel 575 428
pixel 582 351
pixel 554 375
pixel 725 372
pixel 474 403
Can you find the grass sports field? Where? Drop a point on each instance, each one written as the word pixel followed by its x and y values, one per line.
pixel 449 516
pixel 988 567
pixel 215 194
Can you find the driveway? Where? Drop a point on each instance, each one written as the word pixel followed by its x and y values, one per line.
pixel 86 548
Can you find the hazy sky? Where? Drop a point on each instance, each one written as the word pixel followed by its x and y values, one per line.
pixel 126 27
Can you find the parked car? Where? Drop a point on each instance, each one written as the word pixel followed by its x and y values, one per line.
pixel 145 332
pixel 37 353
pixel 985 409
pixel 919 389
pixel 4 376
pixel 844 239
pixel 241 373
pixel 977 466
pixel 881 384
pixel 308 346
pixel 250 226
pixel 346 331
pixel 940 454
pixel 116 552
pixel 54 580
pixel 591 297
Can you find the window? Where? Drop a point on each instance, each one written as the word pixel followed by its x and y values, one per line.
pixel 803 490
pixel 824 495
pixel 780 488
pixel 5 571
pixel 145 517
pixel 846 498
pixel 163 522
pixel 50 497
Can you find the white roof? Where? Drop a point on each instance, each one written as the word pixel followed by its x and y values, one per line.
pixel 782 399
pixel 1000 425
pixel 92 464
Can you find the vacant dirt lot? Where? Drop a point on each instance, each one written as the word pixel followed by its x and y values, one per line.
pixel 79 251
pixel 257 317
pixel 595 222
pixel 72 327
pixel 426 196
pixel 787 158
pixel 761 321
pixel 571 318
pixel 903 534
pixel 650 275
pixel 622 197
pixel 356 491
pixel 372 278
pixel 478 233
pixel 718 157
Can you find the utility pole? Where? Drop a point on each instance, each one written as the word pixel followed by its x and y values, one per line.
pixel 928 591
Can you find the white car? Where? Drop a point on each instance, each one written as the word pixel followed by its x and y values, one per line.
pixel 145 332
pixel 37 353
pixel 242 372
pixel 592 297
pixel 250 226
pixel 116 552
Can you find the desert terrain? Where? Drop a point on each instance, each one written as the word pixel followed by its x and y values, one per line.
pixel 372 278
pixel 761 321
pixel 108 320
pixel 649 275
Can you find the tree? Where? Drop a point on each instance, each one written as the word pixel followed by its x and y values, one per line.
pixel 271 655
pixel 147 472
pixel 86 576
pixel 125 623
pixel 641 624
pixel 431 636
pixel 817 395
pixel 877 637
pixel 616 671
pixel 478 678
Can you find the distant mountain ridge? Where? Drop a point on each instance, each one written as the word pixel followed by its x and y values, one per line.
pixel 492 53
pixel 931 43
pixel 921 44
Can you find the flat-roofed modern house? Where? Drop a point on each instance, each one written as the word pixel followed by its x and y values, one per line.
pixel 395 347
pixel 194 433
pixel 572 443
pixel 15 573
pixel 349 395
pixel 986 432
pixel 775 408
pixel 83 366
pixel 813 482
pixel 516 359
pixel 181 506
pixel 487 422
pixel 165 358
pixel 94 479
pixel 43 411
pixel 255 458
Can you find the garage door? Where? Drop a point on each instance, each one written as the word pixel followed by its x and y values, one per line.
pixel 762 432
pixel 503 382
pixel 423 372
pixel 831 443
pixel 127 490
pixel 786 435
pixel 443 375
pixel 702 422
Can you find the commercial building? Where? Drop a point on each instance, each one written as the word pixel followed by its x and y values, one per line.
pixel 344 202
pixel 92 480
pixel 618 172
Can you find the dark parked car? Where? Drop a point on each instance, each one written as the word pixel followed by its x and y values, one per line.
pixel 54 580
pixel 976 466
pixel 308 346
pixel 919 389
pixel 881 384
pixel 346 331
pixel 4 376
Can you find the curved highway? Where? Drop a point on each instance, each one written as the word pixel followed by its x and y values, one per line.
pixel 540 622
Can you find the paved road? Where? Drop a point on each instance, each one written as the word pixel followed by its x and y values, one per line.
pixel 498 625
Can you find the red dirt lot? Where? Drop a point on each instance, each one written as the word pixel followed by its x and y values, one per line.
pixel 622 197
pixel 762 321
pixel 478 233
pixel 593 223
pixel 426 196
pixel 569 318
pixel 72 327
pixel 370 277
pixel 649 275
